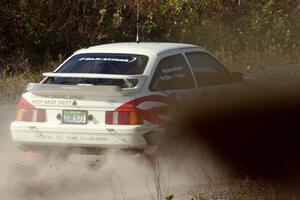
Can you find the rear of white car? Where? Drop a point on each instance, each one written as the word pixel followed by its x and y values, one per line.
pixel 82 122
pixel 115 95
pixel 92 100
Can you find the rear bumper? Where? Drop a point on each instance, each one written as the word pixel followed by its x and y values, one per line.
pixel 125 136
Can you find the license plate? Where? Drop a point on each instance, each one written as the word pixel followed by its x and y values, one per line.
pixel 74 117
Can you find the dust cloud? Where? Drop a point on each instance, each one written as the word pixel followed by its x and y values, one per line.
pixel 114 175
pixel 117 175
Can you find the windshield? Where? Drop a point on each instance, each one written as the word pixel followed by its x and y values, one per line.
pixel 98 63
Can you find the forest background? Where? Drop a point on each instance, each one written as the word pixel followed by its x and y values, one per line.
pixel 244 34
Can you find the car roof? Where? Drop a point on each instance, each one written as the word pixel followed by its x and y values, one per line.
pixel 136 48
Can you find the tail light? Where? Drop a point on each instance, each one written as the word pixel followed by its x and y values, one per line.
pixel 123 118
pixel 28 113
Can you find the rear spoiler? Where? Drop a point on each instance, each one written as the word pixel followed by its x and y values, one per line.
pixel 86 89
pixel 91 75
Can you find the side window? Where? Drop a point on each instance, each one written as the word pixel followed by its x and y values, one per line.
pixel 172 73
pixel 207 70
pixel 205 62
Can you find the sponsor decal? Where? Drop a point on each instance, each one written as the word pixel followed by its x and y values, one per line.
pixel 71 138
pixel 172 73
pixel 172 69
pixel 127 60
pixel 72 97
pixel 54 99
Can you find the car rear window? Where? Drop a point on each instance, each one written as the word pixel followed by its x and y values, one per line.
pixel 121 64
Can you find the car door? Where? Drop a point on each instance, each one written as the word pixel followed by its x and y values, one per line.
pixel 172 76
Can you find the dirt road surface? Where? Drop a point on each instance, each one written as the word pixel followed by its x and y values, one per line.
pixel 117 176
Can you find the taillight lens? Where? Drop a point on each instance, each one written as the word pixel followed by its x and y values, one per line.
pixel 26 112
pixel 123 118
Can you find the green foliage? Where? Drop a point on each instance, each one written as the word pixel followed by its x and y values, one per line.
pixel 241 32
pixel 169 197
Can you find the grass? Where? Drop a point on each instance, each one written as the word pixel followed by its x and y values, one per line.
pixel 224 189
pixel 12 87
pixel 251 59
pixel 243 190
pixel 15 75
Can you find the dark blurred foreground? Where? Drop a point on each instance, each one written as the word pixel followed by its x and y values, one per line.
pixel 254 132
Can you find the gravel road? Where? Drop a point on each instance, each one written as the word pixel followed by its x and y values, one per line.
pixel 119 177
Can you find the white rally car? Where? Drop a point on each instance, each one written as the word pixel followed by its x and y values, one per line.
pixel 113 96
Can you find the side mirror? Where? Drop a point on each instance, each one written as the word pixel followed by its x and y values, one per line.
pixel 237 77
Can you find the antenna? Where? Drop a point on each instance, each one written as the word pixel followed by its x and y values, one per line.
pixel 137 22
